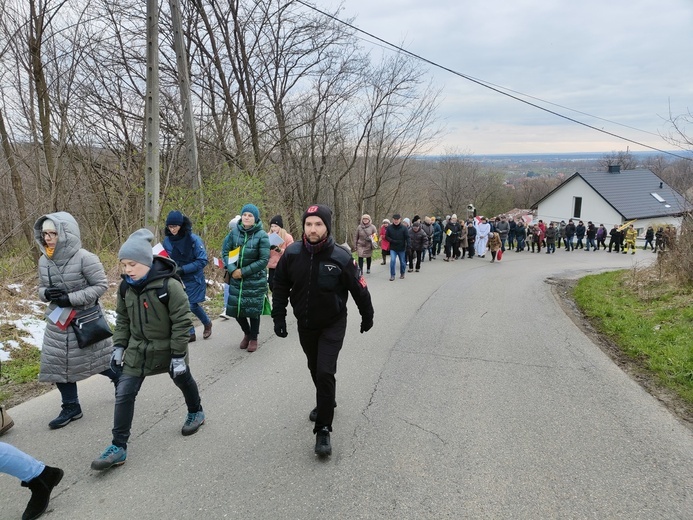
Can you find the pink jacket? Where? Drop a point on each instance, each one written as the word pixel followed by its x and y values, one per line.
pixel 276 255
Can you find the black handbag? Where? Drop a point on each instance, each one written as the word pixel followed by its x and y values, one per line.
pixel 90 326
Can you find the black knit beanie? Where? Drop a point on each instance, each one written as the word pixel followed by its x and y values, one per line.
pixel 277 219
pixel 318 210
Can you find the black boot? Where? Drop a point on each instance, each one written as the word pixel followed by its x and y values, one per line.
pixel 41 488
pixel 70 412
pixel 323 447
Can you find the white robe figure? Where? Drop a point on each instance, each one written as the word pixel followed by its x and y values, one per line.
pixel 482 231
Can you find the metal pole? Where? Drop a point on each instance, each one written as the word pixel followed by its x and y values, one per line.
pixel 184 88
pixel 151 121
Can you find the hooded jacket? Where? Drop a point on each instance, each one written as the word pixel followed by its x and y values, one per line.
pixel 152 331
pixel 188 251
pixel 318 285
pixel 247 295
pixel 82 276
pixel 363 241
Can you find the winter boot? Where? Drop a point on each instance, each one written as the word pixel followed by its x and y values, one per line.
pixel 6 421
pixel 244 342
pixel 252 345
pixel 192 338
pixel 70 412
pixel 41 488
pixel 208 331
pixel 323 447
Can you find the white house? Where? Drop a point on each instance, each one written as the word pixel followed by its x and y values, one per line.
pixel 615 197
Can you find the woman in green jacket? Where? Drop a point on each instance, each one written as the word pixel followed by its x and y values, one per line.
pixel 246 252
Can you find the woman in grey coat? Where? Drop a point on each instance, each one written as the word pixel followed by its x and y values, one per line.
pixel 69 276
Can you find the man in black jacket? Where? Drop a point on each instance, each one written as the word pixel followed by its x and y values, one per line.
pixel 317 276
pixel 398 236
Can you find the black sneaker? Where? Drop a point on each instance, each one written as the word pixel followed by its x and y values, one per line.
pixel 70 412
pixel 323 448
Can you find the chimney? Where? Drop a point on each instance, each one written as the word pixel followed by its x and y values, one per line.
pixel 614 168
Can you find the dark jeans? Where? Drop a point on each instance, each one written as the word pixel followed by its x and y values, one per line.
pixel 520 244
pixel 418 259
pixel 201 315
pixel 437 246
pixel 569 246
pixel 590 242
pixel 321 348
pixel 601 242
pixel 250 326
pixel 68 391
pixel 126 392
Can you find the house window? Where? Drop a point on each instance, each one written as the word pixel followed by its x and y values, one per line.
pixel 577 207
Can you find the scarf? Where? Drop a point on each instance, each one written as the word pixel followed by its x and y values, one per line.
pixel 50 251
pixel 315 248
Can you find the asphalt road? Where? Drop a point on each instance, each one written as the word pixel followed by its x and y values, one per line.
pixel 474 396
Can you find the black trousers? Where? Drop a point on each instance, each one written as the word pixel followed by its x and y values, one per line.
pixel 321 348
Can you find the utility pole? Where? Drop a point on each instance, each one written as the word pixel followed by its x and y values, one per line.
pixel 151 119
pixel 185 98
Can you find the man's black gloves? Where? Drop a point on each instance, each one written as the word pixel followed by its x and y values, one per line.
pixel 53 293
pixel 180 272
pixel 280 328
pixel 366 324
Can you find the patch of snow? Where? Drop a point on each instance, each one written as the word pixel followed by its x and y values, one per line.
pixel 16 287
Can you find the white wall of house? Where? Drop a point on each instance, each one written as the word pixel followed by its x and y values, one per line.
pixel 560 205
pixel 642 225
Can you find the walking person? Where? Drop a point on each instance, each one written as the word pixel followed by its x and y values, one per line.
pixel 69 277
pixel 246 253
pixel 419 244
pixel 520 235
pixel 188 251
pixel 317 276
pixel 452 238
pixel 561 233
pixel 398 236
pixel 503 229
pixel 615 238
pixel 33 474
pixel 471 238
pixel 631 236
pixel 437 237
pixel 579 235
pixel 276 252
pixel 483 229
pixel 570 230
pixel 659 240
pixel 429 229
pixel 364 242
pixel 512 226
pixel 494 244
pixel 551 233
pixel 591 237
pixel 649 238
pixel 601 237
pixel 223 315
pixel 384 242
pixel 153 321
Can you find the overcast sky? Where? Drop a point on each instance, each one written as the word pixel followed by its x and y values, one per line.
pixel 627 61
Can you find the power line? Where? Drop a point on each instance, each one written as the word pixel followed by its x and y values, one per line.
pixel 495 88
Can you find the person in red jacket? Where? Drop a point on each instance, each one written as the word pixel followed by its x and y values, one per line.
pixel 384 242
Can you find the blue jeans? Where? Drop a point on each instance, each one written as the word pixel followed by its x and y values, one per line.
pixel 402 262
pixel 200 313
pixel 126 392
pixel 590 241
pixel 19 464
